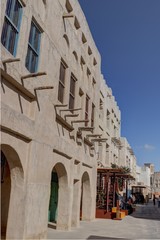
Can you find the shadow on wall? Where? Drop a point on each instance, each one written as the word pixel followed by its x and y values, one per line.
pixel 99 237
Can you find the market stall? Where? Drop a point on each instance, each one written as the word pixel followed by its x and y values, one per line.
pixel 110 182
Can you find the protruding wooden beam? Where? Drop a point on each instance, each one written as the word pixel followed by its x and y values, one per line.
pixel 79 121
pixel 94 135
pixel 86 129
pixel 70 115
pixel 43 88
pixel 70 110
pixel 86 165
pixel 31 75
pixel 9 60
pixel 65 124
pixel 67 15
pixel 60 105
pixel 89 143
pixel 99 139
pixel 62 153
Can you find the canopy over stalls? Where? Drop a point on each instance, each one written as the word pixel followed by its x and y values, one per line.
pixel 109 182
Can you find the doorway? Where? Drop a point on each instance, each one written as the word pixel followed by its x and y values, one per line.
pixel 5 193
pixel 53 205
pixel 86 199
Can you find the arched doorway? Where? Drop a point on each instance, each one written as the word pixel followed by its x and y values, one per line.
pixel 59 210
pixel 5 193
pixel 12 194
pixel 86 200
pixel 53 204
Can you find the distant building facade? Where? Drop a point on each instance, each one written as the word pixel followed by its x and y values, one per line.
pixel 143 180
pixel 155 184
pixel 59 118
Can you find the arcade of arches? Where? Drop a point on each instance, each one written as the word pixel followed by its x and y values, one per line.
pixel 67 205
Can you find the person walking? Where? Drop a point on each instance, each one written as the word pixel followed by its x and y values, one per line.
pixel 158 201
pixel 154 200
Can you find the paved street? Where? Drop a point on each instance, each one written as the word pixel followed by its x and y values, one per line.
pixel 144 223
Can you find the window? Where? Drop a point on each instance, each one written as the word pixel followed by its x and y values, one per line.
pixel 82 62
pixel 89 50
pixel 11 26
pixel 92 115
pixel 88 73
pixel 115 131
pixel 108 119
pixel 72 92
pixel 61 82
pixel 68 6
pixel 93 82
pixel 86 110
pixel 100 108
pixel 76 23
pixel 33 48
pixel 94 61
pixel 84 40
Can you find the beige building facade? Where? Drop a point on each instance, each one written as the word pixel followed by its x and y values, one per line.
pixel 59 119
pixel 127 157
pixel 155 184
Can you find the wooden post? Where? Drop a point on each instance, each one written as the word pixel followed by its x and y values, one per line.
pixel 126 190
pixel 114 189
pixel 107 190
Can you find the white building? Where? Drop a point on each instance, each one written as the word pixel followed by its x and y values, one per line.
pixel 143 179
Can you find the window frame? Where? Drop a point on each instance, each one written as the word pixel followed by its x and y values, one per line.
pixel 93 115
pixel 33 51
pixel 87 109
pixel 72 94
pixel 11 26
pixel 62 84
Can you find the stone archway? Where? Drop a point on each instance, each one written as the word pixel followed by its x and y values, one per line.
pixel 12 179
pixel 86 199
pixel 61 209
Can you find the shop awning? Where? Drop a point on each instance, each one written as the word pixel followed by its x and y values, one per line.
pixel 117 172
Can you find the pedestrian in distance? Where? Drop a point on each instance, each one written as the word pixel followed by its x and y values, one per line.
pixel 154 200
pixel 147 199
pixel 158 201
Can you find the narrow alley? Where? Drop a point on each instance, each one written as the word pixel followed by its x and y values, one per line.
pixel 144 223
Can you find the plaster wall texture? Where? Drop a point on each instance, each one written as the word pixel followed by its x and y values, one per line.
pixel 36 137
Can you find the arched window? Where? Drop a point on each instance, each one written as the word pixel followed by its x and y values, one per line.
pixel 75 55
pixel 67 39
pixel 69 6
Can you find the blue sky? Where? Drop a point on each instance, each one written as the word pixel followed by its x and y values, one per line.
pixel 127 35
